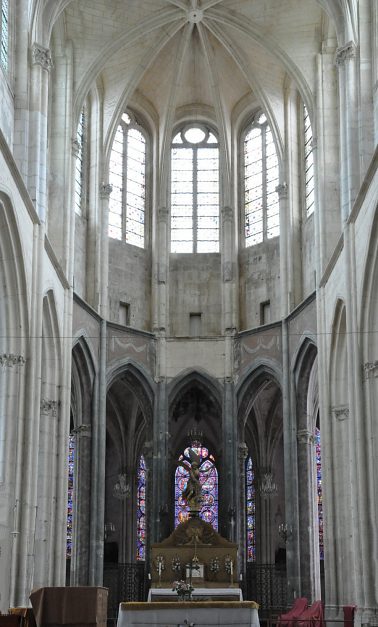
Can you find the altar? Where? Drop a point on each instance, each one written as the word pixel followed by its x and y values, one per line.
pixel 195 613
pixel 198 594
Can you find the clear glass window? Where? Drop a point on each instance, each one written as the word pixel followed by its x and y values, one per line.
pixel 4 34
pixel 195 191
pixel 261 177
pixel 79 166
pixel 127 175
pixel 308 163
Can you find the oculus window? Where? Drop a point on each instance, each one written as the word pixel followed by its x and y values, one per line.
pixel 261 176
pixel 195 191
pixel 127 175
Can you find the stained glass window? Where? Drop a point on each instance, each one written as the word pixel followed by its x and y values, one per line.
pixel 127 175
pixel 209 482
pixel 79 166
pixel 71 465
pixel 4 34
pixel 141 510
pixel 250 502
pixel 261 177
pixel 319 490
pixel 309 163
pixel 195 191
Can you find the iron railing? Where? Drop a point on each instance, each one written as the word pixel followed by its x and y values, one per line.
pixel 126 582
pixel 267 585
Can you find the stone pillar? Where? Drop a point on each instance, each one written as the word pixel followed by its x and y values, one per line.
pixel 160 483
pixel 82 492
pixel 228 495
pixel 242 512
pixel 284 254
pixel 37 172
pixel 307 517
pixel 346 62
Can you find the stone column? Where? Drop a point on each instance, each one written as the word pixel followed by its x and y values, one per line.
pixel 160 483
pixel 281 189
pixel 242 512
pixel 82 492
pixel 37 172
pixel 308 529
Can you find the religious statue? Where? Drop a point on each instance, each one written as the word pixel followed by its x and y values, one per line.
pixel 192 493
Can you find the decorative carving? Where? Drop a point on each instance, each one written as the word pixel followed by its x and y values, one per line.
pixel 227 214
pixel 305 437
pixel 370 369
pixel 49 407
pixel 268 487
pixel 10 360
pixel 242 453
pixel 42 56
pixel 281 190
pixel 121 489
pixel 227 271
pixel 82 430
pixel 341 412
pixel 344 53
pixel 105 190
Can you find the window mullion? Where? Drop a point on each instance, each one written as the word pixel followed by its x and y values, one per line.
pixel 124 182
pixel 264 182
pixel 195 216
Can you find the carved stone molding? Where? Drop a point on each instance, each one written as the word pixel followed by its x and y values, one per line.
pixel 42 56
pixel 49 407
pixel 305 437
pixel 162 214
pixel 281 190
pixel 82 430
pixel 370 369
pixel 75 145
pixel 105 190
pixel 345 53
pixel 341 412
pixel 227 214
pixel 10 359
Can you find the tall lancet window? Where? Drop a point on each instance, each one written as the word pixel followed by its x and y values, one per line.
pixel 319 490
pixel 308 163
pixel 195 191
pixel 250 502
pixel 127 175
pixel 71 468
pixel 79 165
pixel 141 510
pixel 4 34
pixel 209 483
pixel 261 176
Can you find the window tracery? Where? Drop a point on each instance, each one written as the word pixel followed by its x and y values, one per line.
pixel 261 177
pixel 209 483
pixel 319 490
pixel 79 165
pixel 195 191
pixel 4 34
pixel 127 175
pixel 71 467
pixel 308 163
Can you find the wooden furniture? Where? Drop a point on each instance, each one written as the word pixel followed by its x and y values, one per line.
pixel 79 605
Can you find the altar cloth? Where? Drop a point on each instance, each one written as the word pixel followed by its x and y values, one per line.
pixel 189 613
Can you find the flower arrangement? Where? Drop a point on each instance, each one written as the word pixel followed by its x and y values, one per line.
pixel 184 590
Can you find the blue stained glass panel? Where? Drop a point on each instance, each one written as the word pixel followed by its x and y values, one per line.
pixel 71 466
pixel 319 490
pixel 251 510
pixel 141 510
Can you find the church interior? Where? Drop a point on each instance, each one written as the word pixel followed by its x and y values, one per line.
pixel 189 271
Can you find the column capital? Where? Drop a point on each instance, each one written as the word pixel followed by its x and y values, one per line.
pixel 281 190
pixel 340 412
pixel 345 53
pixel 105 190
pixel 41 56
pixel 82 430
pixel 305 437
pixel 370 369
pixel 10 360
pixel 49 407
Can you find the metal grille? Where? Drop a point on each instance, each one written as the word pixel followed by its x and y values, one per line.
pixel 266 584
pixel 126 582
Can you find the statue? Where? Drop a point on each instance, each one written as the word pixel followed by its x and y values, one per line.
pixel 192 493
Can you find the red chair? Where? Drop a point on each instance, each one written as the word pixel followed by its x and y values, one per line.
pixel 289 619
pixel 312 617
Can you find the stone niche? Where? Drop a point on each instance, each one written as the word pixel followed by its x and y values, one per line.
pixel 194 541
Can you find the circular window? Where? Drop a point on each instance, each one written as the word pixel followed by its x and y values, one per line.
pixel 194 135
